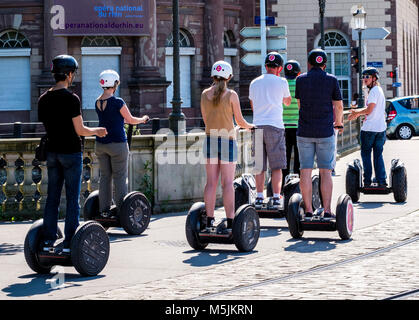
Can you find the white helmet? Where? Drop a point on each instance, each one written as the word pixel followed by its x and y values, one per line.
pixel 108 78
pixel 221 69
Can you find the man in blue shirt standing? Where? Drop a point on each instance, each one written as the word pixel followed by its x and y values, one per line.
pixel 319 99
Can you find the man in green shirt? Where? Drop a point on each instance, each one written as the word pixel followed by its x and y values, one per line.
pixel 292 70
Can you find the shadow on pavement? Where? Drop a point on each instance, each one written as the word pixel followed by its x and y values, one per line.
pixel 123 237
pixel 9 249
pixel 213 257
pixel 44 284
pixel 375 205
pixel 310 245
pixel 270 231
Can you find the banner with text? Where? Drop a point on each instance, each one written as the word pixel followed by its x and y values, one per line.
pixel 100 17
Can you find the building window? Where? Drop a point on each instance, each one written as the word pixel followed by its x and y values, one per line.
pixel 339 61
pixel 102 41
pixel 186 51
pixel 98 54
pixel 15 71
pixel 230 51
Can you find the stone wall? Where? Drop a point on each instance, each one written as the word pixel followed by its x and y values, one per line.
pixel 171 172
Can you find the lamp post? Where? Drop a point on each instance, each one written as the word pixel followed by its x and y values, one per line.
pixel 358 23
pixel 322 8
pixel 176 118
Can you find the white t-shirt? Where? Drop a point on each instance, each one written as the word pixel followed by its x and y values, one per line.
pixel 267 93
pixel 376 120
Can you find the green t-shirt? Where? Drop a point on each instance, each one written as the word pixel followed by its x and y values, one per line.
pixel 290 114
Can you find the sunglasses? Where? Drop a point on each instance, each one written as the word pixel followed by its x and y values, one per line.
pixel 366 76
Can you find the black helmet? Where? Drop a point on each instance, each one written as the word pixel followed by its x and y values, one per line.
pixel 64 64
pixel 371 71
pixel 317 57
pixel 291 69
pixel 274 60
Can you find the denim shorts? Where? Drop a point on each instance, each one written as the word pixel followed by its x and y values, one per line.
pixel 321 148
pixel 221 148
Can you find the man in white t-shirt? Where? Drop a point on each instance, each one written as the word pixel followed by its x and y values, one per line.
pixel 267 93
pixel 373 130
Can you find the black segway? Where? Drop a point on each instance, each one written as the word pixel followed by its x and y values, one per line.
pixel 133 216
pixel 245 193
pixel 343 221
pixel 397 186
pixel 245 231
pixel 89 251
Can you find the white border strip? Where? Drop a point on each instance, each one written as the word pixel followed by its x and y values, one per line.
pixel 21 52
pixel 101 51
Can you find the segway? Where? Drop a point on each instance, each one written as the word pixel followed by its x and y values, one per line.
pixel 245 193
pixel 89 250
pixel 397 186
pixel 343 221
pixel 133 216
pixel 245 231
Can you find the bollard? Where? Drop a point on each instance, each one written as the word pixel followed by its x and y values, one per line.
pixel 155 125
pixel 17 130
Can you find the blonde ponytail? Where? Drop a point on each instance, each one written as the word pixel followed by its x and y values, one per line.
pixel 220 85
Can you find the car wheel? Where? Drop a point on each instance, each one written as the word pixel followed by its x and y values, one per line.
pixel 404 132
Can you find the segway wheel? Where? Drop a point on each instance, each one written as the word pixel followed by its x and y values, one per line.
pixel 399 184
pixel 246 228
pixel 32 246
pixel 91 206
pixel 195 222
pixel 345 216
pixel 90 248
pixel 288 193
pixel 295 212
pixel 241 197
pixel 135 213
pixel 352 184
pixel 316 200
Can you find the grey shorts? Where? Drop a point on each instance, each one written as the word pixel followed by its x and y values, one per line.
pixel 268 145
pixel 321 148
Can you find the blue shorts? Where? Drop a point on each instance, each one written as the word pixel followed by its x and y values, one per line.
pixel 221 148
pixel 322 148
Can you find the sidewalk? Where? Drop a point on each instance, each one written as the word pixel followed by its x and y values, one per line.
pixel 377 277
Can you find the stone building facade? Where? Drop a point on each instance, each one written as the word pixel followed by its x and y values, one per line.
pixel 209 31
pixel 399 49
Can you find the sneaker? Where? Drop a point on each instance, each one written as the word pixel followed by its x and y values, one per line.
pixel 258 203
pixel 308 214
pixel 277 202
pixel 382 184
pixel 328 215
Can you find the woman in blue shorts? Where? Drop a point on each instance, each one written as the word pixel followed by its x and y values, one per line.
pixel 218 106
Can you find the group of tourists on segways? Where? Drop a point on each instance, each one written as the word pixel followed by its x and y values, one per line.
pixel 311 120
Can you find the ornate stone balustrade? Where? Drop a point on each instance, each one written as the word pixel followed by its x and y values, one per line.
pixel 169 170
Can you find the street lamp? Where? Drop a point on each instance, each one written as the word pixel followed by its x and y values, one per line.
pixel 176 117
pixel 359 16
pixel 322 8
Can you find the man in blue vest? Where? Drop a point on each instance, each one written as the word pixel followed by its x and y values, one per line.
pixel 320 101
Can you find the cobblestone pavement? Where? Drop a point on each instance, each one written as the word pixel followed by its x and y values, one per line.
pixel 304 269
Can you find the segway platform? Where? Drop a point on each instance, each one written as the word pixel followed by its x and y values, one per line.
pixel 267 210
pixel 244 234
pixel 397 186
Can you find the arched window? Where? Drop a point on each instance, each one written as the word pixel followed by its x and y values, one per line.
pixel 339 60
pixel 98 53
pixel 230 50
pixel 186 51
pixel 16 72
pixel 100 41
pixel 12 39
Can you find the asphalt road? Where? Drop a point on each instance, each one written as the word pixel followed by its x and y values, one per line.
pixel 163 252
